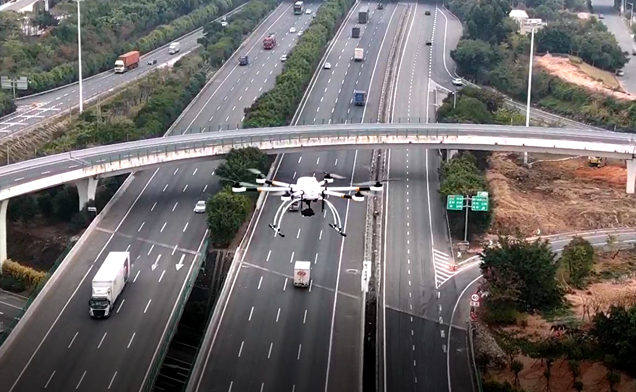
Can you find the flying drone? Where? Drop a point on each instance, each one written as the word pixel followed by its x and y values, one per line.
pixel 305 191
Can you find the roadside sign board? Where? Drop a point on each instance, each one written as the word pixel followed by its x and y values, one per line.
pixel 474 304
pixel 366 273
pixel 455 202
pixel 6 83
pixel 22 83
pixel 474 297
pixel 480 202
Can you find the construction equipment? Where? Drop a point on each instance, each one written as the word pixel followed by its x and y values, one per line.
pixel 596 161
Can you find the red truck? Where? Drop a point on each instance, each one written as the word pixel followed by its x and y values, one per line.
pixel 127 61
pixel 269 42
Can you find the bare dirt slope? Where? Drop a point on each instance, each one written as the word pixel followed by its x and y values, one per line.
pixel 563 68
pixel 557 197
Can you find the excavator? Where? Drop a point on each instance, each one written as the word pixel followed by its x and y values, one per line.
pixel 596 161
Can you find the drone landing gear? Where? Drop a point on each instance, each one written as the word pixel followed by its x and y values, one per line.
pixel 276 231
pixel 339 230
pixel 337 224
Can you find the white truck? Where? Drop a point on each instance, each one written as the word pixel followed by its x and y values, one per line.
pixel 302 273
pixel 174 48
pixel 358 54
pixel 108 283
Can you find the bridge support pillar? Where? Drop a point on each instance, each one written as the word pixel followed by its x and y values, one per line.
pixel 450 154
pixel 3 231
pixel 86 189
pixel 631 175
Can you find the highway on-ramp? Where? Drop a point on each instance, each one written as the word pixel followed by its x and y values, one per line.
pixel 37 108
pixel 60 347
pixel 273 336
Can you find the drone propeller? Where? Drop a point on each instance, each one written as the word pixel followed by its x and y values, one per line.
pixel 376 182
pixel 260 177
pixel 332 176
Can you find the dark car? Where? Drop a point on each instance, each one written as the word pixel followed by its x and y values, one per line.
pixel 380 6
pixel 429 43
pixel 152 62
pixel 427 12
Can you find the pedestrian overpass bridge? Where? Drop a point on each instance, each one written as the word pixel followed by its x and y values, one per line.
pixel 85 167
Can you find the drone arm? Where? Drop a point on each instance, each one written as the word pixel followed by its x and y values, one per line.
pixel 276 183
pixel 351 188
pixel 266 189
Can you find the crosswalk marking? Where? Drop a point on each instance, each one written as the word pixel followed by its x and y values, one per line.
pixel 442 263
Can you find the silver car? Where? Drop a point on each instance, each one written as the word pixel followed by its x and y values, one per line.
pixel 200 207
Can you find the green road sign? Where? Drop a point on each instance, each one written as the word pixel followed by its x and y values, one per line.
pixel 455 202
pixel 480 202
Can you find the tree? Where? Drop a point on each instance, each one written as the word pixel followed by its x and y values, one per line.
pixel 615 333
pixel 521 274
pixel 613 379
pixel 488 21
pixel 475 58
pixel 575 369
pixel 578 385
pixel 236 165
pixel 226 213
pixel 578 258
pixel 516 367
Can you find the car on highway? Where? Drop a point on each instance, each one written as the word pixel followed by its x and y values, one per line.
pixel 380 6
pixel 199 208
pixel 300 33
pixel 601 16
pixel 427 12
pixel 620 72
pixel 223 24
pixel 295 206
pixel 429 43
pixel 292 30
pixel 327 66
pixel 308 11
pixel 283 58
pixel 152 61
pixel 633 51
pixel 458 82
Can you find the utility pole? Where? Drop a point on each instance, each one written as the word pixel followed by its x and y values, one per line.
pixel 79 57
pixel 525 154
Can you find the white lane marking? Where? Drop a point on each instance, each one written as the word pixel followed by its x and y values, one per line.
pixel 291 259
pixel 110 384
pixel 268 254
pixel 311 283
pixel 259 283
pixel 184 188
pixel 102 340
pixel 269 354
pixel 121 303
pixel 46 172
pixel 186 226
pixel 305 317
pixel 195 171
pixel 161 277
pixel 142 225
pixel 72 340
pixel 278 315
pixel 147 305
pixel 300 347
pixel 136 275
pixel 83 375
pixel 320 237
pixel 131 340
pixel 298 235
pixel 300 158
pixel 18 179
pixel 153 245
pixel 153 207
pixel 251 311
pixel 164 188
pixel 174 250
pixel 316 258
pixel 50 378
pixel 175 206
pixel 205 187
pixel 241 348
pixel 175 171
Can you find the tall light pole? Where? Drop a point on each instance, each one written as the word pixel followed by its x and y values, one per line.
pixel 631 15
pixel 525 154
pixel 79 57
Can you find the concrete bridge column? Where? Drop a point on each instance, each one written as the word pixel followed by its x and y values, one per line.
pixel 3 231
pixel 450 154
pixel 631 175
pixel 86 189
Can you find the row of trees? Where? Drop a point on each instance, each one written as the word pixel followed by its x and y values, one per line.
pixel 108 30
pixel 477 106
pixel 277 106
pixel 142 111
pixel 220 42
pixel 7 105
pixel 462 176
pixel 227 211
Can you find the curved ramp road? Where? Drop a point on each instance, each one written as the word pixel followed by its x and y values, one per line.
pixel 60 348
pixel 37 108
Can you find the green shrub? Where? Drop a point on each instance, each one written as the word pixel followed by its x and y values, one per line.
pixel 226 213
pixel 26 276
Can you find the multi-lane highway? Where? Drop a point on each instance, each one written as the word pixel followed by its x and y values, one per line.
pixel 290 339
pixel 10 305
pixel 417 246
pixel 61 348
pixel 37 108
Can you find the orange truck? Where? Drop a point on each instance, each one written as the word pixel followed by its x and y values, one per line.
pixel 127 61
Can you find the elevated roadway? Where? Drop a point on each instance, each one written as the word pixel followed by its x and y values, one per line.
pixel 290 339
pixel 57 345
pixel 35 109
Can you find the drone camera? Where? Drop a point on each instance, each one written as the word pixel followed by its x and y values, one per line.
pixel 307 212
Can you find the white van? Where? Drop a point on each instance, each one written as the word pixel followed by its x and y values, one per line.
pixel 174 48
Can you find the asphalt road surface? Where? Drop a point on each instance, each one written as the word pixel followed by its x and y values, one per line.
pixel 62 348
pixel 617 26
pixel 37 108
pixel 10 306
pixel 417 244
pixel 287 338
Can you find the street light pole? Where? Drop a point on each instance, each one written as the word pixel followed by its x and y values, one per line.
pixel 79 57
pixel 525 154
pixel 631 15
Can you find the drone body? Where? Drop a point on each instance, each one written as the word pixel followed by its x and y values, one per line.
pixel 305 191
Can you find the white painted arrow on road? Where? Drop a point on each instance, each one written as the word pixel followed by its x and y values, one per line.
pixel 156 262
pixel 180 263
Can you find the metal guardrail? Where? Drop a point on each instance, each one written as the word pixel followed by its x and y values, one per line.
pixel 4 333
pixel 155 368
